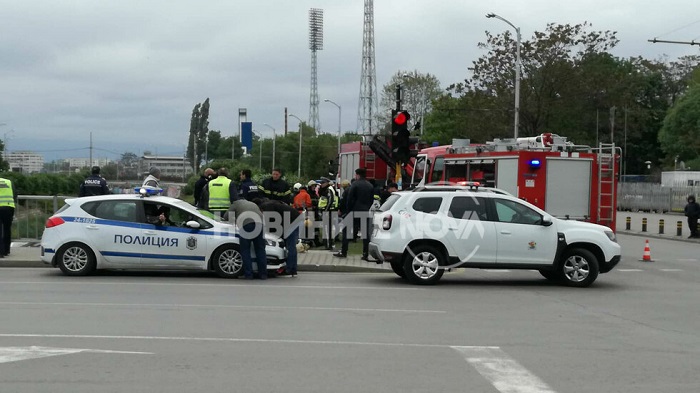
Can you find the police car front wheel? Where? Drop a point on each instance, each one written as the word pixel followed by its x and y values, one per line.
pixel 76 259
pixel 228 262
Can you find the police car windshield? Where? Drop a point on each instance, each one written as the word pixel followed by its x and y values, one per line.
pixel 208 214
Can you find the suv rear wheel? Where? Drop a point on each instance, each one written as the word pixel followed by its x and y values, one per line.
pixel 578 268
pixel 421 265
pixel 397 267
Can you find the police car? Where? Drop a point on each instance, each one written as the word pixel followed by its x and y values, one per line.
pixel 124 232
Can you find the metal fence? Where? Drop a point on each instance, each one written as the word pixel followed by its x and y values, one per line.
pixel 31 213
pixel 653 197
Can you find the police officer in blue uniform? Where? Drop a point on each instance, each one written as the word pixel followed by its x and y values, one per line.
pixel 94 184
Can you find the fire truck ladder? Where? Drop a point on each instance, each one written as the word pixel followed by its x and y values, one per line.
pixel 606 184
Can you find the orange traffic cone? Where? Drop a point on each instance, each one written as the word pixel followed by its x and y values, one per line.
pixel 647 253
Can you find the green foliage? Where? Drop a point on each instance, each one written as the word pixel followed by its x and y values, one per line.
pixel 45 183
pixel 418 92
pixel 199 129
pixel 680 134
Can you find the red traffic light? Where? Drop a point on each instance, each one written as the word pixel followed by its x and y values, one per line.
pixel 401 118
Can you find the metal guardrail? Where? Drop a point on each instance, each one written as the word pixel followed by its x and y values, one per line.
pixel 653 197
pixel 31 213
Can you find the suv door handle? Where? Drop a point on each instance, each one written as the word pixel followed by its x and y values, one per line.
pixel 505 232
pixel 92 227
pixel 150 232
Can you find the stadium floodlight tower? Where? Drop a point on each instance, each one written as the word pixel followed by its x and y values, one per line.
pixel 368 109
pixel 315 44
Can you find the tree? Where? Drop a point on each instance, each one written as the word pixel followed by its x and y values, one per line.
pixel 128 166
pixel 680 134
pixel 418 92
pixel 199 129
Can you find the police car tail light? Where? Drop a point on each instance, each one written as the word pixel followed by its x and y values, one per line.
pixel 54 222
pixel 386 222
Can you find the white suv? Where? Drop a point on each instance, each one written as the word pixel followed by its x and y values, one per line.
pixel 423 232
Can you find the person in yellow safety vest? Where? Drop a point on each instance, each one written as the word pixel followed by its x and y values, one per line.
pixel 222 192
pixel 327 203
pixel 8 200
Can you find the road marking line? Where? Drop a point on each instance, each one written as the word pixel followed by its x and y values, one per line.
pixel 504 373
pixel 671 270
pixel 15 354
pixel 497 270
pixel 687 260
pixel 630 270
pixel 233 340
pixel 221 306
pixel 231 285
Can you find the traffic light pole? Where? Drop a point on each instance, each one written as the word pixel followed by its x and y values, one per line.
pixel 398 97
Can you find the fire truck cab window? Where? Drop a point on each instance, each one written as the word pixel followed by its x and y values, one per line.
pixel 438 168
pixel 468 208
pixel 514 212
pixel 427 205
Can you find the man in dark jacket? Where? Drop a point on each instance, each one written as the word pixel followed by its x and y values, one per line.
pixel 200 184
pixel 276 188
pixel 94 184
pixel 248 190
pixel 290 220
pixel 692 211
pixel 360 199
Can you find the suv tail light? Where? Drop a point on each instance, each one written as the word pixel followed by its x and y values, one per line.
pixel 54 222
pixel 386 222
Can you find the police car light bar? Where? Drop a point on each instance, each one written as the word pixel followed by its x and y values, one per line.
pixel 148 190
pixel 470 184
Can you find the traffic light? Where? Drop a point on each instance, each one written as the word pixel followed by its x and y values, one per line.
pixel 400 136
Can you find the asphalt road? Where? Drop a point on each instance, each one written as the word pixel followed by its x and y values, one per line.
pixel 635 330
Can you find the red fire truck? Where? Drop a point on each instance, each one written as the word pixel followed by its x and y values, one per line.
pixel 566 180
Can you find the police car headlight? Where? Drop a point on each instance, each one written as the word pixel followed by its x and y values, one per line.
pixel 611 236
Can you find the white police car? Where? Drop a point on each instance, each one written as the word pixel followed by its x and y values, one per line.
pixel 124 232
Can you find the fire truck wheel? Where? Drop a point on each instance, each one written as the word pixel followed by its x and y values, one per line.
pixel 578 268
pixel 422 265
pixel 397 267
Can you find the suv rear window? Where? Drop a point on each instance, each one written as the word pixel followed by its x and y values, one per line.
pixel 386 206
pixel 427 204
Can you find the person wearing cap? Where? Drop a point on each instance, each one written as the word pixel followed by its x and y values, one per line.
pixel 8 201
pixel 94 184
pixel 302 201
pixel 386 193
pixel 153 178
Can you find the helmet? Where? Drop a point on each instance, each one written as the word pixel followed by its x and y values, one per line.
pixel 312 183
pixel 297 186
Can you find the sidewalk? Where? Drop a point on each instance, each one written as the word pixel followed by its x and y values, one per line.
pixel 653 219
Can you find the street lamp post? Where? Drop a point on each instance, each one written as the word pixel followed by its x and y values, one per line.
pixel 337 175
pixel 299 168
pixel 274 143
pixel 517 71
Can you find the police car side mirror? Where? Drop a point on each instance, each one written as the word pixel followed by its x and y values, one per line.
pixel 192 224
pixel 546 221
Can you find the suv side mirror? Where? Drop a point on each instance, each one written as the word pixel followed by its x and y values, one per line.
pixel 192 224
pixel 546 221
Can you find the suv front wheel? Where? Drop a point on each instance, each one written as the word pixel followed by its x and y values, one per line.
pixel 422 265
pixel 578 268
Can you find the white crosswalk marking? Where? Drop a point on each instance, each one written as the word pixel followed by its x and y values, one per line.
pixel 630 270
pixel 14 354
pixel 671 270
pixel 504 373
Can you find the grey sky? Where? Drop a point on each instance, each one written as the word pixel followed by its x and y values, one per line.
pixel 131 71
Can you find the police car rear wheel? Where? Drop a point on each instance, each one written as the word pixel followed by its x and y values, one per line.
pixel 397 267
pixel 76 259
pixel 228 262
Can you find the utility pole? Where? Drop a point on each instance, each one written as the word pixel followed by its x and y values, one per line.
pixel 612 124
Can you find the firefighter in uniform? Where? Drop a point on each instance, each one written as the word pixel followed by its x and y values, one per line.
pixel 94 184
pixel 276 188
pixel 327 207
pixel 8 200
pixel 222 192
